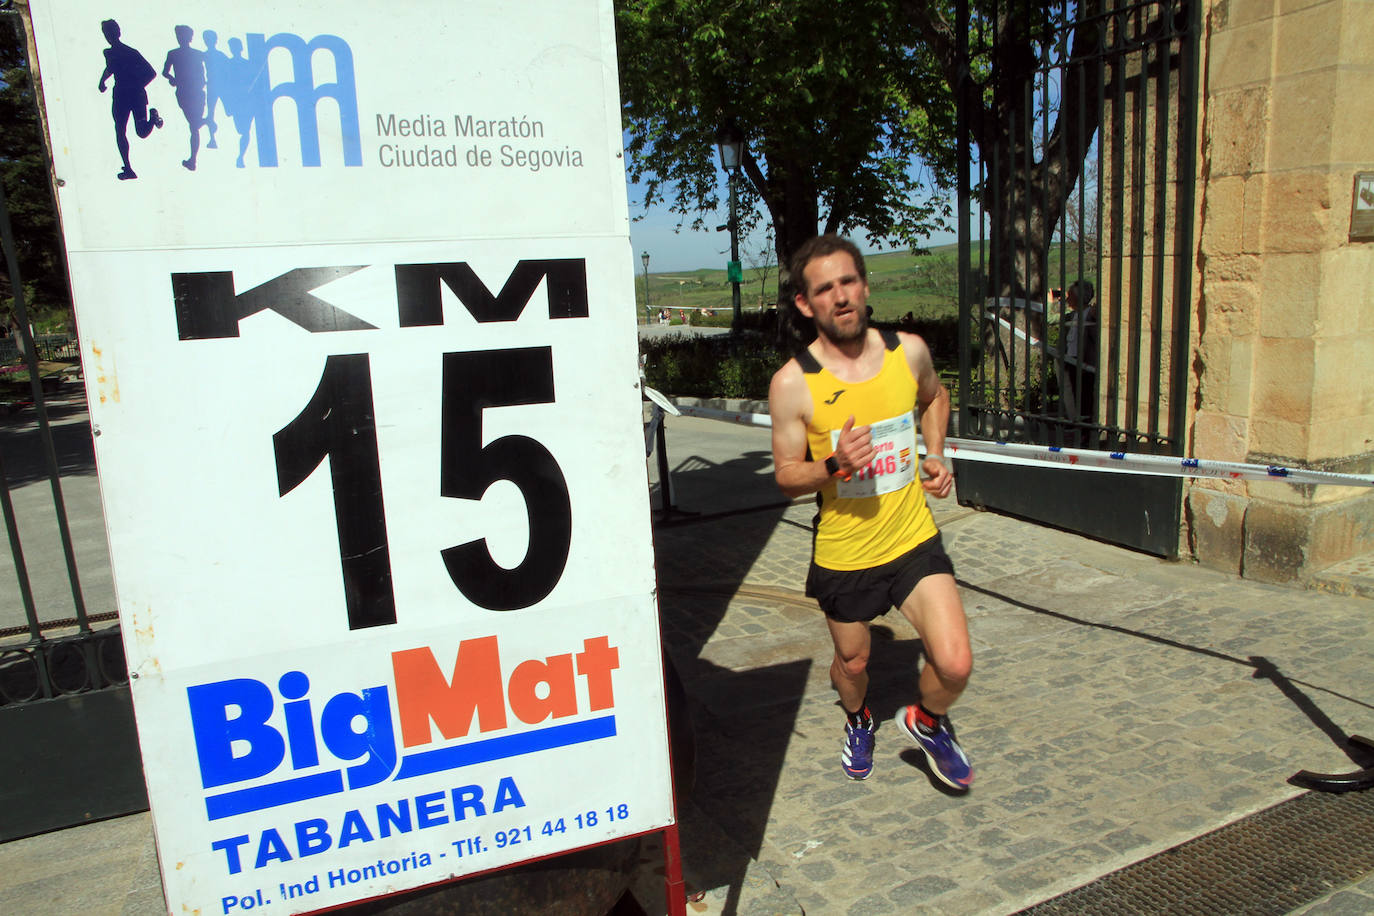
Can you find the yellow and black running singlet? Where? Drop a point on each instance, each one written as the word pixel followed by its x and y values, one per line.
pixel 880 513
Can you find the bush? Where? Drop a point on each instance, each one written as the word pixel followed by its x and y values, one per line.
pixel 711 367
pixel 742 365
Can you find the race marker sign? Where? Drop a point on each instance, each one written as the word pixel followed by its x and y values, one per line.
pixel 357 326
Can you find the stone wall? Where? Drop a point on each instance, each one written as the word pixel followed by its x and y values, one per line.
pixel 1283 365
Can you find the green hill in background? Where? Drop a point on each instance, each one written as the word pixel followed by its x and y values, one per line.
pixel 899 282
pixel 927 285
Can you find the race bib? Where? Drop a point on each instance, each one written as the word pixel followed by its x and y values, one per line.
pixel 894 465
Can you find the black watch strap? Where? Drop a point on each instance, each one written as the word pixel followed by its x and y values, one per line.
pixel 832 466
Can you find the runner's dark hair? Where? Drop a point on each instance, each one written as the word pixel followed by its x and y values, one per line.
pixel 820 247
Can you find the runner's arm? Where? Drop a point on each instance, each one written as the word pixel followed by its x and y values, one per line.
pixel 789 403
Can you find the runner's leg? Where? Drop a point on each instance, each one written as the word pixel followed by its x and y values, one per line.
pixel 937 612
pixel 849 668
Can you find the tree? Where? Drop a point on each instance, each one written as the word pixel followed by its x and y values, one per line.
pixel 1033 170
pixel 28 194
pixel 1011 43
pixel 761 261
pixel 938 275
pixel 1082 220
pixel 833 100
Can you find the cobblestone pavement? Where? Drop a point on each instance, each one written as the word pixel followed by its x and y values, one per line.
pixel 1120 705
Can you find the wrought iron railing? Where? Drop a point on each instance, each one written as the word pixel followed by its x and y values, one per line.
pixel 45 659
pixel 1080 120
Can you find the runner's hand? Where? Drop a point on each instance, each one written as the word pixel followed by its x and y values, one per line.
pixel 938 480
pixel 854 448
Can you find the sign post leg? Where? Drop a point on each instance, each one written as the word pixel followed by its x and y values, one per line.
pixel 675 889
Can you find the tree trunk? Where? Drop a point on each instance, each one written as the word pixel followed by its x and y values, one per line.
pixel 1027 183
pixel 793 207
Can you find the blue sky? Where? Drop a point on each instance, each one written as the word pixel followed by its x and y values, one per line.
pixel 670 250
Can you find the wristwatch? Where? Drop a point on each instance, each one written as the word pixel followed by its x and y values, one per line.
pixel 832 466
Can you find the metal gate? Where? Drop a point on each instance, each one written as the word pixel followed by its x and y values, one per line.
pixel 68 747
pixel 1077 135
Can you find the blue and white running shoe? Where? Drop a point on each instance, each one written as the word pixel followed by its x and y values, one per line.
pixel 946 758
pixel 857 755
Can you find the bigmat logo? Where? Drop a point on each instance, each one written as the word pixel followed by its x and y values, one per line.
pixel 314 749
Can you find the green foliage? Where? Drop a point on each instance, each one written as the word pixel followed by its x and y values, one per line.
pixel 28 195
pixel 741 366
pixel 835 102
pixel 712 367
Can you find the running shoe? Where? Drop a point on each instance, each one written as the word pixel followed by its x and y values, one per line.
pixel 946 758
pixel 857 754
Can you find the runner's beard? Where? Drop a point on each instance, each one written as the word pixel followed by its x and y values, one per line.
pixel 838 334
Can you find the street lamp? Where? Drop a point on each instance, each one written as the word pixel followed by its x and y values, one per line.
pixel 644 259
pixel 731 146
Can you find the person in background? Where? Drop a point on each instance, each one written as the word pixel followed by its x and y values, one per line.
pixel 1078 373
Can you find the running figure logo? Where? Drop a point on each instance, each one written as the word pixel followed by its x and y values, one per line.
pixel 185 69
pixel 241 86
pixel 132 73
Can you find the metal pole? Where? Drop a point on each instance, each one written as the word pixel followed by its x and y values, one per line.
pixel 964 417
pixel 734 249
pixel 665 477
pixel 647 311
pixel 1187 171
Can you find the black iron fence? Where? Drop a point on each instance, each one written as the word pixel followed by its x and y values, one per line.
pixel 1079 263
pixel 68 747
pixel 1078 120
pixel 54 348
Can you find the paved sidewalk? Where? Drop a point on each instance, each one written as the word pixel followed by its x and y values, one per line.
pixel 1120 705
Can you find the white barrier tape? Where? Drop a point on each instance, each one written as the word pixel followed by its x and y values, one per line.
pixel 1033 341
pixel 1157 465
pixel 1090 460
pixel 730 416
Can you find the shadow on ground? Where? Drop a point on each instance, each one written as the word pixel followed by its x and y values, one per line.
pixel 742 698
pixel 23 452
pixel 1261 667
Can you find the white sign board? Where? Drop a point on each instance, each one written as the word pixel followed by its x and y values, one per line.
pixel 356 310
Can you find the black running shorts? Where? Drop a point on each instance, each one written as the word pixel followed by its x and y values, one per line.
pixel 850 596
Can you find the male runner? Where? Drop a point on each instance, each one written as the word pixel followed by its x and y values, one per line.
pixel 844 415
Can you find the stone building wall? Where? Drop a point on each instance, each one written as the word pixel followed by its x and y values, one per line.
pixel 1283 354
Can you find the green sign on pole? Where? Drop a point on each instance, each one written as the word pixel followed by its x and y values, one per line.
pixel 734 272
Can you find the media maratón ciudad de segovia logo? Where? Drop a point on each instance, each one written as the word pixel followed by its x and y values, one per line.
pixel 228 81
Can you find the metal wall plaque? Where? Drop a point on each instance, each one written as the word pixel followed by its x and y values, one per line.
pixel 1362 208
